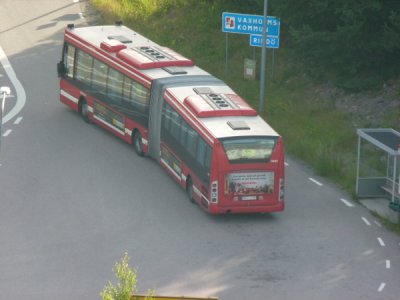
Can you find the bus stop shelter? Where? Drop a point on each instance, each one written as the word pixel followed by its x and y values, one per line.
pixel 379 149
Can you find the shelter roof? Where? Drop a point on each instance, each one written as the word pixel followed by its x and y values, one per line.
pixel 386 139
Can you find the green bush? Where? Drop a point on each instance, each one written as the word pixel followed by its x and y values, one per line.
pixel 127 280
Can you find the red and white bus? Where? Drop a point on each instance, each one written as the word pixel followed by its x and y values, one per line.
pixel 217 148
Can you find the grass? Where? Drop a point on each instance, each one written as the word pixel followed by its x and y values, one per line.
pixel 313 130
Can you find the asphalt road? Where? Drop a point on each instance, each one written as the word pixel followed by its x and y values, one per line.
pixel 74 198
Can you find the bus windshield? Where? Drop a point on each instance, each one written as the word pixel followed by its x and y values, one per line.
pixel 249 149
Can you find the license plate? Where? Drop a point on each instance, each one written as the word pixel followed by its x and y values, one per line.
pixel 248 198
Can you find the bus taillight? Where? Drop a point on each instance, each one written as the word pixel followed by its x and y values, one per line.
pixel 281 190
pixel 214 192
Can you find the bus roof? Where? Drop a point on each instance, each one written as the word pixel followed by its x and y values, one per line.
pixel 230 120
pixel 127 47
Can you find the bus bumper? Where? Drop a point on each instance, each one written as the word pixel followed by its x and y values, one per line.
pixel 215 209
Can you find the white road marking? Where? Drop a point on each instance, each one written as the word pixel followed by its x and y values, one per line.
pixel 381 287
pixel 366 221
pixel 387 264
pixel 21 95
pixel 18 120
pixel 316 182
pixel 286 164
pixel 377 224
pixel 349 204
pixel 75 1
pixel 7 133
pixel 381 242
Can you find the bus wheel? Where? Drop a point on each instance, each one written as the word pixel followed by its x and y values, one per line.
pixel 84 109
pixel 137 143
pixel 189 190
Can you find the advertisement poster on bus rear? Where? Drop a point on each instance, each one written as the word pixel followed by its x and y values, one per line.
pixel 257 183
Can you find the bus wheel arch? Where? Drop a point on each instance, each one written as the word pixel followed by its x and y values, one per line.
pixel 83 109
pixel 137 142
pixel 189 189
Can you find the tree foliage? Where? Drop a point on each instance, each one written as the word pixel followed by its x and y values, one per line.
pixel 127 280
pixel 354 42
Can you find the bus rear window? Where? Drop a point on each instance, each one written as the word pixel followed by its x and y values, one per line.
pixel 249 149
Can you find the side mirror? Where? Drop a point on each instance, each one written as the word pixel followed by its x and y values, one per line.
pixel 61 69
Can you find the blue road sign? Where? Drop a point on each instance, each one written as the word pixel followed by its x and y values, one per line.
pixel 271 42
pixel 249 24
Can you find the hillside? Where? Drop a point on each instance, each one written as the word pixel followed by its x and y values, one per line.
pixel 315 104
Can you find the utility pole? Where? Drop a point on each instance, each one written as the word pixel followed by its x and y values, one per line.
pixel 263 60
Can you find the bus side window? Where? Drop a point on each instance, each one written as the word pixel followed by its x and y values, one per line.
pixel 139 97
pixel 126 91
pixel 166 119
pixel 207 162
pixel 191 142
pixel 99 77
pixel 69 59
pixel 114 85
pixel 184 133
pixel 201 151
pixel 175 125
pixel 203 159
pixel 84 67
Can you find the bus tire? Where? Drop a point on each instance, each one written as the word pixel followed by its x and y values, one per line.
pixel 137 143
pixel 84 110
pixel 189 190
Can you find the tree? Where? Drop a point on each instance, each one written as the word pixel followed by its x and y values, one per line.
pixel 354 42
pixel 127 280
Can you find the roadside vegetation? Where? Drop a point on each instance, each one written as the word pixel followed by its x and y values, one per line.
pixel 127 282
pixel 335 60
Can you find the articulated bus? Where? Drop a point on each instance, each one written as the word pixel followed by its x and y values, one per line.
pixel 215 145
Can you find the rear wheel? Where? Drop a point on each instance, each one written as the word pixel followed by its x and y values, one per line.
pixel 189 190
pixel 137 143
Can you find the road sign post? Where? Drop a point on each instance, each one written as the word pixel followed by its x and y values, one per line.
pixel 264 33
pixel 263 60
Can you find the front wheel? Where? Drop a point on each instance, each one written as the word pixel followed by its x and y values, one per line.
pixel 84 109
pixel 137 143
